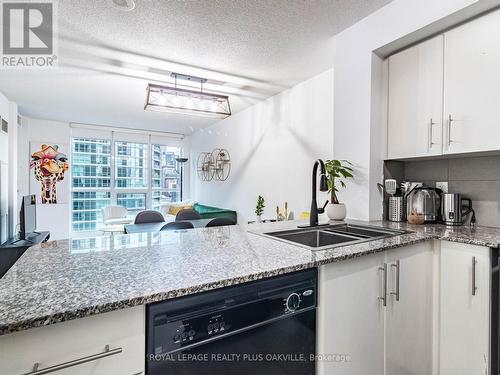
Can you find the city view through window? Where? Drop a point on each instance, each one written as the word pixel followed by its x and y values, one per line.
pixel 137 176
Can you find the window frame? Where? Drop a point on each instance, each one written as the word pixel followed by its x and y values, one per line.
pixel 161 189
pixel 113 189
pixel 89 189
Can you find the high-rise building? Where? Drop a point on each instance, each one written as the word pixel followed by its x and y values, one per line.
pixel 145 177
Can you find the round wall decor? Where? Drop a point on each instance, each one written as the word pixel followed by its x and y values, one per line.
pixel 205 166
pixel 215 165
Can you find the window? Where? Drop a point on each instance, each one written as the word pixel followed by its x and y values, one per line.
pixel 165 175
pixel 134 202
pixel 87 207
pixel 135 175
pixel 91 171
pixel 91 163
pixel 130 161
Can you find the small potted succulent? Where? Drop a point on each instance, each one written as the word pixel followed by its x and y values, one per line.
pixel 338 171
pixel 259 209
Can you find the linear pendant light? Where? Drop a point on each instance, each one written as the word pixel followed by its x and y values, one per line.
pixel 172 99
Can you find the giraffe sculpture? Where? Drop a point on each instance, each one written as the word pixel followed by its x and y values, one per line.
pixel 49 166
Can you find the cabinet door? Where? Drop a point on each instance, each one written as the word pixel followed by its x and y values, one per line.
pixel 415 101
pixel 74 341
pixel 472 86
pixel 465 311
pixel 351 317
pixel 409 313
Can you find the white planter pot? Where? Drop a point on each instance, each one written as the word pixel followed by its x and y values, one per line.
pixel 259 219
pixel 336 211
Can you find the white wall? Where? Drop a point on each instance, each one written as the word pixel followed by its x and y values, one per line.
pixel 52 217
pixel 13 168
pixel 273 146
pixel 4 139
pixel 8 149
pixel 359 133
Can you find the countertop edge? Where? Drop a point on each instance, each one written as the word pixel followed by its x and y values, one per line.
pixel 138 301
pixel 157 297
pixel 468 241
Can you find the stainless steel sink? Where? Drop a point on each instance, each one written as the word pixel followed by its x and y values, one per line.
pixel 363 231
pixel 333 235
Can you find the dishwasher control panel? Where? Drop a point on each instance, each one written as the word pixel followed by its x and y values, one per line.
pixel 216 325
pixel 189 331
pixel 237 309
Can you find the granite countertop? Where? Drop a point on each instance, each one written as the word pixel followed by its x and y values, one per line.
pixel 68 279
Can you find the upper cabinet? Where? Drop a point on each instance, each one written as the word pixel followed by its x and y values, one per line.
pixel 444 93
pixel 472 86
pixel 415 101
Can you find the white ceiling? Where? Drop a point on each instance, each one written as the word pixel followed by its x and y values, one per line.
pixel 249 49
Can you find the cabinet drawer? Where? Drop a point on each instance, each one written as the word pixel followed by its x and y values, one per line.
pixel 81 344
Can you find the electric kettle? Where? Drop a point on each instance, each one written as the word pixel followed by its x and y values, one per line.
pixel 422 205
pixel 453 210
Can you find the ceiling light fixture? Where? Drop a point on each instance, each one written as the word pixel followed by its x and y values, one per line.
pixel 185 101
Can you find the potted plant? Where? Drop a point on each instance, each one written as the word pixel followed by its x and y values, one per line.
pixel 259 209
pixel 337 172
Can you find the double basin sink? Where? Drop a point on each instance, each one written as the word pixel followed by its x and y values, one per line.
pixel 329 236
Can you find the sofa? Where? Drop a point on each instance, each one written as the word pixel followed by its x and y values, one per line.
pixel 206 212
pixel 209 212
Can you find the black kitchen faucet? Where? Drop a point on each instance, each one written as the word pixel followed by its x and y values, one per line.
pixel 323 186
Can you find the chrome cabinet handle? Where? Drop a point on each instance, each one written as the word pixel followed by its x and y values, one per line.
pixel 106 353
pixel 397 266
pixel 431 124
pixel 474 287
pixel 383 298
pixel 450 120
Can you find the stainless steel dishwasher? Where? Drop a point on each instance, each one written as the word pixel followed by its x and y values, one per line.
pixel 263 327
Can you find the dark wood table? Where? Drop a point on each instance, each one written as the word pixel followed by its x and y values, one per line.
pixel 155 227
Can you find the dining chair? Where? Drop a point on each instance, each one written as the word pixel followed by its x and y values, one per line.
pixel 114 218
pixel 113 215
pixel 149 216
pixel 187 214
pixel 174 225
pixel 220 221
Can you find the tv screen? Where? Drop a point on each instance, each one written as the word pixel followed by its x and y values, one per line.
pixel 28 216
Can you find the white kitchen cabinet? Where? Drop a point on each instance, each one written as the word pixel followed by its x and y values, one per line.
pixel 394 339
pixel 465 309
pixel 454 80
pixel 351 317
pixel 472 86
pixel 415 101
pixel 409 312
pixel 122 330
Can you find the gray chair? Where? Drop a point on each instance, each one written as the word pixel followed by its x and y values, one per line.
pixel 220 221
pixel 145 217
pixel 174 225
pixel 187 214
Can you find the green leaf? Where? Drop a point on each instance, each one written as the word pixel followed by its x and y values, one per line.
pixel 337 171
pixel 346 174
